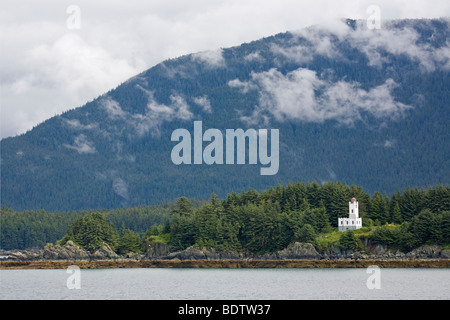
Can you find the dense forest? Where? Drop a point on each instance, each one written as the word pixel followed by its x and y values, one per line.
pixel 114 152
pixel 252 221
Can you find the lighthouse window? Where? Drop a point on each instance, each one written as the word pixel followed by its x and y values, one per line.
pixel 352 210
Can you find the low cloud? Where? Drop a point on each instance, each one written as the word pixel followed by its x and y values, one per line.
pixel 48 69
pixel 113 109
pixel 55 76
pixel 303 96
pixel 82 145
pixel 120 187
pixel 389 143
pixel 254 56
pixel 212 58
pixel 307 43
pixel 398 41
pixel 77 125
pixel 204 102
pixel 156 113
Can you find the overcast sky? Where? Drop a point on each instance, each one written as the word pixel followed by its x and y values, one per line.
pixel 57 55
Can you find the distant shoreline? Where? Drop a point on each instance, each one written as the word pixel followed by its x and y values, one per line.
pixel 225 264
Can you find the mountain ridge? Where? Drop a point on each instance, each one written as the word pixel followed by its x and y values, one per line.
pixel 364 107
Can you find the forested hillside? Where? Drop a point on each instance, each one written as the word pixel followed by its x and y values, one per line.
pixel 364 107
pixel 250 221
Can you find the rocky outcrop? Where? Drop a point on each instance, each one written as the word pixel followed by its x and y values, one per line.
pixel 104 253
pixel 298 251
pixel 69 251
pixel 428 252
pixel 160 251
pixel 193 253
pixel 157 250
pixel 23 255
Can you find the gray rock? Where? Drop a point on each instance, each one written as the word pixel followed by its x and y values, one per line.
pixel 230 255
pixel 25 255
pixel 445 254
pixel 424 252
pixel 133 256
pixel 298 250
pixel 193 253
pixel 157 250
pixel 104 253
pixel 69 251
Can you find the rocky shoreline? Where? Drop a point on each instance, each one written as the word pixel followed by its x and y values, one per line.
pixel 297 255
pixel 234 264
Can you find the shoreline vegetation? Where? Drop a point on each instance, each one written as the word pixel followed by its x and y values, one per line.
pixel 231 264
pixel 289 226
pixel 297 255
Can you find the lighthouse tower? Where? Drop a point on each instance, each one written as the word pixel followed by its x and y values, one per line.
pixel 353 221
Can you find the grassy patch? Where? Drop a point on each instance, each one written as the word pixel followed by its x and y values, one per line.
pixel 325 240
pixel 161 238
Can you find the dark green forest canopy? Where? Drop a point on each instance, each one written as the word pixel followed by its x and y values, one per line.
pixel 107 154
pixel 253 221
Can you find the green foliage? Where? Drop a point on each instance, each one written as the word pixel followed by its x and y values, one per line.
pixel 386 234
pixel 131 166
pixel 348 240
pixel 271 220
pixel 161 238
pixel 28 229
pixel 251 221
pixel 91 232
pixel 129 241
pixel 306 234
pixel 183 207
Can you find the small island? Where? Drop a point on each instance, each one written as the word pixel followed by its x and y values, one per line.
pixel 294 226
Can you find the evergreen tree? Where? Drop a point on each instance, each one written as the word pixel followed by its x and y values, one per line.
pixel 306 234
pixel 183 207
pixel 376 208
pixel 348 240
pixel 422 227
pixel 91 232
pixel 129 241
pixel 396 214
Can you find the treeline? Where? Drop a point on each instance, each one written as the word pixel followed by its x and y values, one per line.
pixel 251 221
pixel 271 220
pixel 39 171
pixel 29 229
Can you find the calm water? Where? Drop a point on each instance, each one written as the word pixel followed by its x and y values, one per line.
pixel 227 284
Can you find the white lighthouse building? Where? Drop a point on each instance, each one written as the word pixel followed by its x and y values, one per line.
pixel 353 221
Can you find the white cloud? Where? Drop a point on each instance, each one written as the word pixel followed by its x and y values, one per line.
pixel 389 143
pixel 52 78
pixel 48 69
pixel 312 41
pixel 120 187
pixel 212 58
pixel 254 56
pixel 112 108
pixel 156 113
pixel 204 102
pixel 77 125
pixel 397 42
pixel 442 56
pixel 295 96
pixel 309 42
pixel 82 145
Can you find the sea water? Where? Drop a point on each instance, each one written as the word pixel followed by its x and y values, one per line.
pixel 226 284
